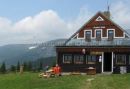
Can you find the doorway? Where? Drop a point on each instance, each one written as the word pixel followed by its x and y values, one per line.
pixel 107 62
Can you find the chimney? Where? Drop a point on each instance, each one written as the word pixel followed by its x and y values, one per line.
pixel 107 14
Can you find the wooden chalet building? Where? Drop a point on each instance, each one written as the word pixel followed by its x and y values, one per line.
pixel 100 43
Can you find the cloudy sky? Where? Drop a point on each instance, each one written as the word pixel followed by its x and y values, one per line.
pixel 34 21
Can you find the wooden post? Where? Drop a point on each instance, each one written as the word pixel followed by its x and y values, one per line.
pixel 21 69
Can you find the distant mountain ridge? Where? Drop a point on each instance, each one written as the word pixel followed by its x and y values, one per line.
pixel 13 53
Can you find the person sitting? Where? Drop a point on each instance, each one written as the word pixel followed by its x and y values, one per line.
pixel 53 71
pixel 57 70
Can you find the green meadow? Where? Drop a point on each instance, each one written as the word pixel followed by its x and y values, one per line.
pixel 32 81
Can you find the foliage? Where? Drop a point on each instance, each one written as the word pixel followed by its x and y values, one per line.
pixel 13 68
pixel 29 66
pixel 38 65
pixel 25 66
pixel 18 66
pixel 3 68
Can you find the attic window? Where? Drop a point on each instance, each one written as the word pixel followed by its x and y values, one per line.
pixel 110 35
pixel 88 36
pixel 99 19
pixel 98 35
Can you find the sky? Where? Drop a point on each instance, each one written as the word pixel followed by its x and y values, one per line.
pixel 37 21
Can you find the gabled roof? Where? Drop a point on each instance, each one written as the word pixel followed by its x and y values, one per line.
pixel 91 20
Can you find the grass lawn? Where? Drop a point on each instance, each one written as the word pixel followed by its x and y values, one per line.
pixel 31 81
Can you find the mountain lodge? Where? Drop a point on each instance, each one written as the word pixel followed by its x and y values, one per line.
pixel 100 44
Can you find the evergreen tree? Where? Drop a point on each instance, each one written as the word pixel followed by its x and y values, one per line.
pixel 13 68
pixel 40 66
pixel 18 66
pixel 3 68
pixel 29 66
pixel 25 66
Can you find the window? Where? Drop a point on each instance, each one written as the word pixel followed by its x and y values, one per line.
pixel 67 58
pixel 91 59
pixel 88 35
pixel 98 35
pixel 78 59
pixel 120 59
pixel 110 35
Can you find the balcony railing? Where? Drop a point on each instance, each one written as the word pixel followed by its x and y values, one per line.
pixel 103 42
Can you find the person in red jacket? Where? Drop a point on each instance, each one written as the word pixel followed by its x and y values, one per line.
pixel 57 70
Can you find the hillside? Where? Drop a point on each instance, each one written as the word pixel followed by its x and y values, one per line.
pixel 13 53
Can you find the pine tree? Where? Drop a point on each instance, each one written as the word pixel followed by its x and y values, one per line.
pixel 29 66
pixel 25 66
pixel 40 66
pixel 3 68
pixel 18 66
pixel 13 68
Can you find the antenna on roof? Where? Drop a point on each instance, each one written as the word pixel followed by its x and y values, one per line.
pixel 108 6
pixel 107 12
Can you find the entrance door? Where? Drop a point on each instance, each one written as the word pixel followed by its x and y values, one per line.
pixel 107 62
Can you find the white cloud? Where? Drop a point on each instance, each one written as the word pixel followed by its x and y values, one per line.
pixel 44 26
pixel 83 16
pixel 48 25
pixel 121 14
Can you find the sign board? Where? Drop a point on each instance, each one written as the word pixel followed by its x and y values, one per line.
pixel 96 53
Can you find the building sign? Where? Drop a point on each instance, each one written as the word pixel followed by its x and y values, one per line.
pixel 96 53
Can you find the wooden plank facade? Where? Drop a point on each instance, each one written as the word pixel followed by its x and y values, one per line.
pixel 100 43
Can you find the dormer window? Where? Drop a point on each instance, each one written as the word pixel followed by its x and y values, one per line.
pixel 98 35
pixel 88 35
pixel 110 35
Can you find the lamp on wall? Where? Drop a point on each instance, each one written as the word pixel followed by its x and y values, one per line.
pixel 83 51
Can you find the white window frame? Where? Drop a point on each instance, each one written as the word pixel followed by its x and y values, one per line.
pixel 85 33
pixel 64 58
pixel 99 28
pixel 79 57
pixel 96 31
pixel 113 33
